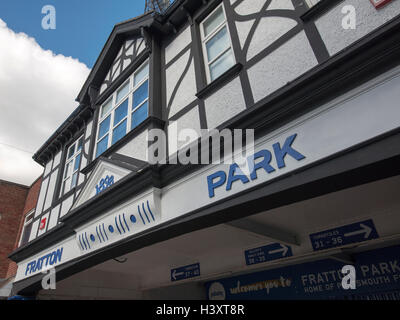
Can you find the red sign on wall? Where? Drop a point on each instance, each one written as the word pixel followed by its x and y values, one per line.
pixel 379 3
pixel 42 224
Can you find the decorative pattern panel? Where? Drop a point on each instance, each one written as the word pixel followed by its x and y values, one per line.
pixel 131 218
pixel 271 42
pixel 127 54
pixel 262 23
pixel 181 83
pixel 180 73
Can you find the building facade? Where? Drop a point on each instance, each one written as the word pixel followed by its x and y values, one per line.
pixel 17 203
pixel 318 83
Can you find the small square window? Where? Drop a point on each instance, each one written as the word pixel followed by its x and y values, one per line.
pixel 106 108
pixel 74 179
pixel 77 161
pixel 140 115
pixel 140 95
pixel 141 74
pixel 121 112
pixel 104 127
pixel 102 146
pixel 71 170
pixel 213 21
pixel 80 144
pixel 27 228
pixel 71 151
pixel 119 132
pixel 123 92
pixel 217 45
pixel 223 63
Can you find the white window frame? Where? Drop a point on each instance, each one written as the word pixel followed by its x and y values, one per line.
pixel 205 39
pixel 116 104
pixel 29 217
pixel 72 161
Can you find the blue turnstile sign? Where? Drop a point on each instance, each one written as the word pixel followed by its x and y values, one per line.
pixel 267 253
pixel 186 272
pixel 340 236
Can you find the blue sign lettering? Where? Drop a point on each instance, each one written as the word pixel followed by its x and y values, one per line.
pixel 260 160
pixel 104 184
pixel 377 277
pixel 280 153
pixel 356 232
pixel 49 259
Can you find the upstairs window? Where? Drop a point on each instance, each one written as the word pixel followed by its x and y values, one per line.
pixel 312 3
pixel 216 42
pixel 72 165
pixel 26 231
pixel 124 110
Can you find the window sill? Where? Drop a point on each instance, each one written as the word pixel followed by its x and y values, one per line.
pixel 220 81
pixel 319 9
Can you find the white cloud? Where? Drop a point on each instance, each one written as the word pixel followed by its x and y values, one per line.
pixel 37 94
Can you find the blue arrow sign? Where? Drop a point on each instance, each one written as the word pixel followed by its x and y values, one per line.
pixel 186 272
pixel 267 253
pixel 351 233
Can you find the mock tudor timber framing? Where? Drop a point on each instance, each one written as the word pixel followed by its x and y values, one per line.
pixel 374 54
pixel 382 47
pixel 155 23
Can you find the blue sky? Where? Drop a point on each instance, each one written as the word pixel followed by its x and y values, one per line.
pixel 83 26
pixel 50 66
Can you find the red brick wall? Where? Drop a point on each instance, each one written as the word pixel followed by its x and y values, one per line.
pixel 12 203
pixel 30 203
pixel 33 196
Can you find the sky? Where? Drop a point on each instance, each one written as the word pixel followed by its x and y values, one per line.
pixel 42 71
